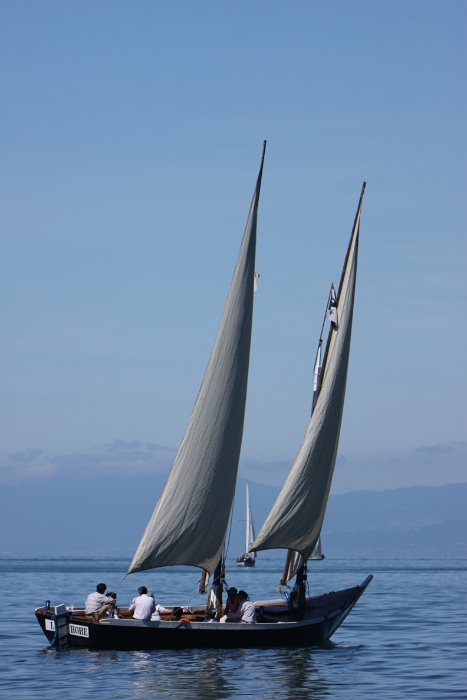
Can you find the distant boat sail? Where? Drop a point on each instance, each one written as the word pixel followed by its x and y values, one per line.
pixel 189 523
pixel 317 554
pixel 248 559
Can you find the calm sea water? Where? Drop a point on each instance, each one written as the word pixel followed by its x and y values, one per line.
pixel 406 638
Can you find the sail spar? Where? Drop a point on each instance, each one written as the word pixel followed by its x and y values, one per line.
pixel 250 528
pixel 295 519
pixel 189 523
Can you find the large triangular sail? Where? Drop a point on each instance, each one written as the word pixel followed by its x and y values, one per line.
pixel 189 523
pixel 295 519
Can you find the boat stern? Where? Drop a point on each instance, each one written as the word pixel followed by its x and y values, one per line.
pixel 54 623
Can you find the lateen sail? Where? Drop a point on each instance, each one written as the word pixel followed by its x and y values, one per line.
pixel 189 523
pixel 296 518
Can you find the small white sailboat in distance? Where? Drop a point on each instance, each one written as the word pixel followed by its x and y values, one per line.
pixel 248 559
pixel 317 553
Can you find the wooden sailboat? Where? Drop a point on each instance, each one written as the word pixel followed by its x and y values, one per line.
pixel 248 559
pixel 190 520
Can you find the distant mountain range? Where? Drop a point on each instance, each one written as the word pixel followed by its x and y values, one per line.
pixel 421 521
pixel 107 516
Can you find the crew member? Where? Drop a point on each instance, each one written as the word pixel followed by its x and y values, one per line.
pixel 246 612
pixel 97 604
pixel 231 605
pixel 158 609
pixel 143 606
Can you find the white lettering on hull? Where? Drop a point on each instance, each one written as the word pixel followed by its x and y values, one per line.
pixel 79 630
pixel 50 625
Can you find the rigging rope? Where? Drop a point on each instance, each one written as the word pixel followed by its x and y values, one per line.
pixel 226 547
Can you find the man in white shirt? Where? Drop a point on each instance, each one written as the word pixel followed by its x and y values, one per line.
pixel 246 612
pixel 143 606
pixel 97 604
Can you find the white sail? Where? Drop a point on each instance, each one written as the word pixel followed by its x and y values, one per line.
pixel 295 519
pixel 317 553
pixel 189 523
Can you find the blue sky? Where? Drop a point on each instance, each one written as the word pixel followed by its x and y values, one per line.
pixel 130 136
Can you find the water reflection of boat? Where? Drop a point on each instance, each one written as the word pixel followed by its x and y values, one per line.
pixel 190 520
pixel 248 559
pixel 298 675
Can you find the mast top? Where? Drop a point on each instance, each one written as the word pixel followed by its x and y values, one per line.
pixel 262 161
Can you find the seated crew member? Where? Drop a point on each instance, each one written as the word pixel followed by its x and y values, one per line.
pixel 158 610
pixel 231 604
pixel 143 606
pixel 246 612
pixel 97 604
pixel 113 595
